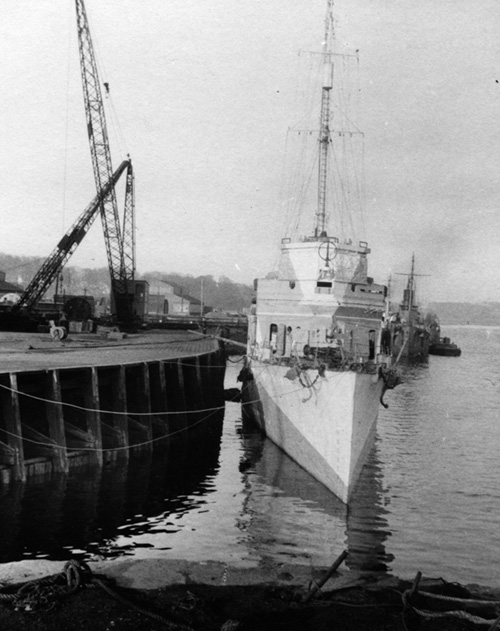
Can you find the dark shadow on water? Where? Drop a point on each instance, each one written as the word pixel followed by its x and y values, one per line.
pixel 367 527
pixel 82 513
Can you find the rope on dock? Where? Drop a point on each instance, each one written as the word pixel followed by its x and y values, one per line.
pixel 458 607
pixel 45 593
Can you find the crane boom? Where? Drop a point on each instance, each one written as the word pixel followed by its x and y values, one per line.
pixel 68 244
pixel 121 274
pixel 128 231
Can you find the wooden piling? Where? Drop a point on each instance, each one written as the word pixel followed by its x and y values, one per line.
pixel 92 414
pixel 181 419
pixel 12 419
pixel 158 397
pixel 55 420
pixel 157 387
pixel 199 383
pixel 120 420
pixel 139 399
pixel 98 412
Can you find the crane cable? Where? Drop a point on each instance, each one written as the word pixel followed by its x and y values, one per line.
pixel 117 131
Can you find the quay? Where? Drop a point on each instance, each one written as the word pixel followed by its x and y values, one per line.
pixel 96 396
pixel 185 596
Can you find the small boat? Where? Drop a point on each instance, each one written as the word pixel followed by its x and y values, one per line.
pixel 316 367
pixel 444 346
pixel 441 345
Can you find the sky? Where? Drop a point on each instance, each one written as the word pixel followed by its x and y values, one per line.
pixel 202 93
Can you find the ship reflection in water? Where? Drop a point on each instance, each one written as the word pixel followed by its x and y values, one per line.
pixel 278 490
pixel 230 496
pixel 96 511
pixel 367 526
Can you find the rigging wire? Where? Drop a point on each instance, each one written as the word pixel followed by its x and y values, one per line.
pixel 66 127
pixel 346 184
pixel 118 136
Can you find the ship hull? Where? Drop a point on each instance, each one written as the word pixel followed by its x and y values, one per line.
pixel 411 343
pixel 327 428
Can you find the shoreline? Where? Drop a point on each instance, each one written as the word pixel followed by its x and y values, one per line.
pixel 154 573
pixel 178 594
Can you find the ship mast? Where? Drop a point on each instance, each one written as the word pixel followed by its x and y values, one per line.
pixel 324 133
pixel 410 291
pixel 411 284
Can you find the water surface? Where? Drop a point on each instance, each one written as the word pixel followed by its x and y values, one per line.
pixel 428 498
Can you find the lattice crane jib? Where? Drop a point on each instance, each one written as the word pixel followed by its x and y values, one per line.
pixel 101 162
pixel 128 231
pixel 67 245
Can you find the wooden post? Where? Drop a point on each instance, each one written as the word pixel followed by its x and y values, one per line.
pixel 12 417
pixel 157 387
pixel 145 402
pixel 162 424
pixel 182 419
pixel 92 413
pixel 217 367
pixel 199 382
pixel 55 419
pixel 211 380
pixel 337 563
pixel 163 387
pixel 120 421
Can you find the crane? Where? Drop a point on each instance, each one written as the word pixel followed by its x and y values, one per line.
pixel 72 239
pixel 120 251
pixel 128 231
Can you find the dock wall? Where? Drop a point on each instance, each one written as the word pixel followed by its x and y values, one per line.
pixel 52 419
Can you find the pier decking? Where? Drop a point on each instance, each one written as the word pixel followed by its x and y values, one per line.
pixel 96 395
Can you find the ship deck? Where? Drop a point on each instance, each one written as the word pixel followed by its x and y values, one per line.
pixel 25 352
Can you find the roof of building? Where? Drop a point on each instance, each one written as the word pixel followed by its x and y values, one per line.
pixel 7 288
pixel 180 293
pixel 193 301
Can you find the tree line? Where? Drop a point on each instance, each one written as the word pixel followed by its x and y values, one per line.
pixel 221 293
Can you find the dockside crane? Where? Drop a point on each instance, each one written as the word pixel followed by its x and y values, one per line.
pixel 120 248
pixel 54 263
pixel 128 230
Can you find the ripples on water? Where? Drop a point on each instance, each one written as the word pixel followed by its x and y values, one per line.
pixel 428 497
pixel 439 444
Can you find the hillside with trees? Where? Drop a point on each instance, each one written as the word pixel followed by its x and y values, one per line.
pixel 222 294
pixel 482 314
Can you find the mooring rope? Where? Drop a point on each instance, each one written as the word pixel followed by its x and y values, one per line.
pixel 54 445
pixel 457 613
pixel 174 626
pixel 462 614
pixel 44 593
pixel 113 412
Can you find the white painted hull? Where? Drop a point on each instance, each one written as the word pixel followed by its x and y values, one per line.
pixel 327 428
